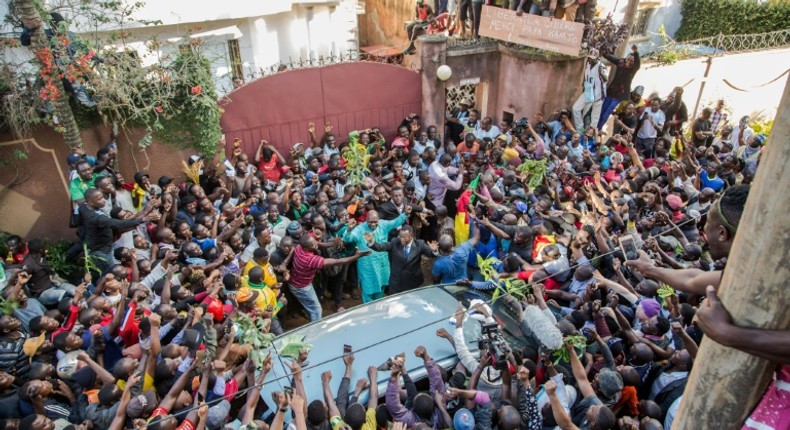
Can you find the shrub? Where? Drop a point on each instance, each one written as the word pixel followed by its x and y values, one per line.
pixel 705 18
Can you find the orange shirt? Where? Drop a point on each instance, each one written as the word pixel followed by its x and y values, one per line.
pixel 629 400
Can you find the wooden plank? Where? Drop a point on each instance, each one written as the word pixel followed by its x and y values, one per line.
pixel 548 34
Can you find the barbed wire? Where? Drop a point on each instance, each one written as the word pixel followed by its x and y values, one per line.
pixel 444 318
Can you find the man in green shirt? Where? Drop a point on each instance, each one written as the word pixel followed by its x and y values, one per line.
pixel 82 182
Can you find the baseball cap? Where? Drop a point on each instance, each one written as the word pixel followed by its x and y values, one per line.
pixel 593 53
pixel 33 344
pixel 68 365
pixel 244 295
pixel 217 415
pixel 138 177
pixel 74 157
pixel 164 181
pixel 522 207
pixel 463 420
pixel 142 405
pixel 610 383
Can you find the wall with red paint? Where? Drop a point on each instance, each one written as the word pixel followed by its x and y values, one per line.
pixel 350 96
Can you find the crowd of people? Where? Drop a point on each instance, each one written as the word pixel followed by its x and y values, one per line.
pixel 460 18
pixel 620 239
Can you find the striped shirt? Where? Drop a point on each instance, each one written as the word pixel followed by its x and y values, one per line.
pixel 305 265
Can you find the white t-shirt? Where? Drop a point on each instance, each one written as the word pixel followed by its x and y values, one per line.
pixel 647 131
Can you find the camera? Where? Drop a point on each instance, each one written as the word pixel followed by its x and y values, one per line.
pixel 496 344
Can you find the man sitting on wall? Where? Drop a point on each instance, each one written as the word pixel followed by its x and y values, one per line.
pixel 417 27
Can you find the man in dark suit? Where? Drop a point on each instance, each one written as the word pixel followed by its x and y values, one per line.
pixel 405 255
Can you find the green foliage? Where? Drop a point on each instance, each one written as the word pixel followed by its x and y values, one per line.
pixel 58 261
pixel 705 18
pixel 7 307
pixel 665 291
pixel 763 126
pixel 357 161
pixel 194 121
pixel 670 51
pixel 254 332
pixel 89 261
pixel 562 355
pixel 535 170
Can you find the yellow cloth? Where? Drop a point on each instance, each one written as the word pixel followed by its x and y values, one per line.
pixel 148 383
pixel 139 194
pixel 370 421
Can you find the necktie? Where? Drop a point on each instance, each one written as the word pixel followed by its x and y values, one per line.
pixel 406 252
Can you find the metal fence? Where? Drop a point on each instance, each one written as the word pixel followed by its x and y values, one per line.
pixel 743 42
pixel 350 56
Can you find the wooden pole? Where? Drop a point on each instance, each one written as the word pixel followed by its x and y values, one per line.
pixel 628 18
pixel 725 384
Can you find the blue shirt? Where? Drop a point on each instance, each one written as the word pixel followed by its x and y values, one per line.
pixel 715 183
pixel 452 268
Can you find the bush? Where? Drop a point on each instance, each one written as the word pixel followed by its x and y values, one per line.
pixel 705 18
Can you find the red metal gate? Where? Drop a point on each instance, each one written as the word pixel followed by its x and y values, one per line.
pixel 350 96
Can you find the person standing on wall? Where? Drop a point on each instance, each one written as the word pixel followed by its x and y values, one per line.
pixel 593 94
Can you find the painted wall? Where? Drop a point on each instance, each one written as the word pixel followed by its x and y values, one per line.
pixel 350 96
pixel 382 23
pixel 512 81
pixel 39 207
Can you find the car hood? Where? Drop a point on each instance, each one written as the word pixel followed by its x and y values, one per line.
pixel 375 331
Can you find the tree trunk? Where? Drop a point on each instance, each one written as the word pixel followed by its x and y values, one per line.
pixel 38 40
pixel 630 14
pixel 725 384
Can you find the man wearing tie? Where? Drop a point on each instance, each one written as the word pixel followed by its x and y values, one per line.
pixel 405 256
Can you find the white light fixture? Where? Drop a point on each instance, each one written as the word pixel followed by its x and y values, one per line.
pixel 444 72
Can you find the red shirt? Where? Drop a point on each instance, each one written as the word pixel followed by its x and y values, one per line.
pixel 270 169
pixel 305 266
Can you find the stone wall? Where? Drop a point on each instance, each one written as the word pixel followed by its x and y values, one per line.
pixel 382 23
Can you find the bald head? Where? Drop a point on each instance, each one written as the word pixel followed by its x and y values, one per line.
pixel 446 243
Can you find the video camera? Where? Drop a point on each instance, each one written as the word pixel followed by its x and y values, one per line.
pixel 496 344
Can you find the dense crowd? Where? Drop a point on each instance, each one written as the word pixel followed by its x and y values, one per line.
pixel 617 239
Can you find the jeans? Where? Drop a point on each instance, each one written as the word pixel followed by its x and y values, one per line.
pixel 103 260
pixel 54 295
pixel 644 145
pixel 309 300
pixel 609 105
pixel 477 13
pixel 580 109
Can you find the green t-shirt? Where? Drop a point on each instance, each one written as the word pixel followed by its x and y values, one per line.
pixel 77 188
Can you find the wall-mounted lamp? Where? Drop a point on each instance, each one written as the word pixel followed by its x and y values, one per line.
pixel 444 72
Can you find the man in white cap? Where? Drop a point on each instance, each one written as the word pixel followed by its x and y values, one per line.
pixel 593 93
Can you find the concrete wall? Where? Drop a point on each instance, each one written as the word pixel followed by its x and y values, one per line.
pixel 507 80
pixel 529 84
pixel 382 23
pixel 39 207
pixel 755 73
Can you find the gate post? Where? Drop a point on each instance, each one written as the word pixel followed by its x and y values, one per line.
pixel 432 54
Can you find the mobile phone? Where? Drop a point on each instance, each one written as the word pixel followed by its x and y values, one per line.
pixel 346 349
pixel 289 392
pixel 628 246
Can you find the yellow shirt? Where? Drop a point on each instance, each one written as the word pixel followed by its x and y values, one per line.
pixel 148 383
pixel 269 277
pixel 266 296
pixel 370 421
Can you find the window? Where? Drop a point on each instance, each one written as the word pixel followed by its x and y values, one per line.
pixel 641 22
pixel 235 59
